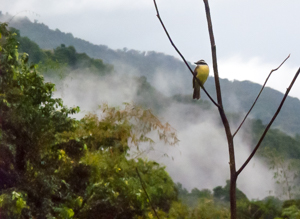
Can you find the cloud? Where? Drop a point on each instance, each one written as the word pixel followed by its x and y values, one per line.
pixel 56 7
pixel 88 90
pixel 201 158
pixel 257 70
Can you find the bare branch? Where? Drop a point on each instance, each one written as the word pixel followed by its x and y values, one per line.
pixel 184 60
pixel 270 123
pixel 214 53
pixel 233 176
pixel 259 95
pixel 143 186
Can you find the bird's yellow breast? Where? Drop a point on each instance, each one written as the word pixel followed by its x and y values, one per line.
pixel 202 73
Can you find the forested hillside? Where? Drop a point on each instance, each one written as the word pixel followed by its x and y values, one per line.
pixel 67 59
pixel 60 62
pixel 168 74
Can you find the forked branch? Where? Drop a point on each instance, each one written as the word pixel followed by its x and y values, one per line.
pixel 233 175
pixel 259 95
pixel 270 123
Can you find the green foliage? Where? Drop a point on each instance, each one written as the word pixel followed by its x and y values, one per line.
pixel 62 58
pixel 290 209
pixel 291 212
pixel 264 209
pixel 222 193
pixel 12 204
pixel 191 198
pixel 114 186
pixel 178 211
pixel 64 212
pixel 77 61
pixel 52 166
pixel 276 140
pixel 118 125
pixel 29 47
pixel 30 116
pixel 207 208
pixel 110 175
pixel 30 119
pixel 286 172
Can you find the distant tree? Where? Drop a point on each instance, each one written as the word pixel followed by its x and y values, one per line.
pixel 208 208
pixel 25 45
pixel 268 208
pixel 286 172
pixel 204 193
pixel 222 193
pixel 74 60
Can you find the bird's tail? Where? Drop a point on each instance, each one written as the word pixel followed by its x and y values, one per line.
pixel 196 94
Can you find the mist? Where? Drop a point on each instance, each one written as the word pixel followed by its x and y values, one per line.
pixel 88 91
pixel 200 159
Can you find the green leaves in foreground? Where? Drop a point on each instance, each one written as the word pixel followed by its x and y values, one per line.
pixel 53 166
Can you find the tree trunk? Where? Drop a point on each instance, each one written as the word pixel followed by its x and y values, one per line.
pixel 233 179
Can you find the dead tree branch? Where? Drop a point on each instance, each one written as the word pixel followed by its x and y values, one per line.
pixel 233 175
pixel 270 123
pixel 259 95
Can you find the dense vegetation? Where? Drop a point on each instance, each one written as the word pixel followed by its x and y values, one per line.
pixel 53 166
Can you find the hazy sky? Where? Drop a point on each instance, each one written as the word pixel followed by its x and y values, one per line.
pixel 252 36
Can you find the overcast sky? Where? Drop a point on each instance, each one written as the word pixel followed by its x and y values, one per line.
pixel 252 36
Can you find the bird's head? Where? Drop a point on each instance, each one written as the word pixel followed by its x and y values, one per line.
pixel 201 62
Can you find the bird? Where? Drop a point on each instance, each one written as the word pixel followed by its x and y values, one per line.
pixel 201 72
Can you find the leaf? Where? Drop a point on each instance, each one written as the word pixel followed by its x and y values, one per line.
pixel 15 75
pixel 17 54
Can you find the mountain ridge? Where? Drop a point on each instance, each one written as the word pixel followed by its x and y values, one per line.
pixel 238 96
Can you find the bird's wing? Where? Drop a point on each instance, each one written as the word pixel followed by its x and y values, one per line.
pixel 194 80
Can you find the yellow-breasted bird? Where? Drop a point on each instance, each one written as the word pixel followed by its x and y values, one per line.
pixel 201 72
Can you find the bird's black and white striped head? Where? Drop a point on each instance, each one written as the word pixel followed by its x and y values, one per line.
pixel 201 62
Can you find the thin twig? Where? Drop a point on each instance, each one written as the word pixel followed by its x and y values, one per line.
pixel 259 95
pixel 143 186
pixel 270 123
pixel 177 50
